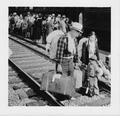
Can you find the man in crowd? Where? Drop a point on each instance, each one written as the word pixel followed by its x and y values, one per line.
pixel 67 49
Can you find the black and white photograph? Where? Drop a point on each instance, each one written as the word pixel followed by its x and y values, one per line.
pixel 60 57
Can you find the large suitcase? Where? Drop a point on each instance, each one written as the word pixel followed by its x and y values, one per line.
pixel 61 84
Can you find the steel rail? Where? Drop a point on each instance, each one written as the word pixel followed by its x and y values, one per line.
pixel 36 85
pixel 36 51
pixel 43 47
pixel 29 41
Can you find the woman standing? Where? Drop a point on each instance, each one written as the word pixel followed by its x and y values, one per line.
pixel 88 48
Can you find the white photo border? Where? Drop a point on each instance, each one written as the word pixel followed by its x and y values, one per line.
pixel 115 60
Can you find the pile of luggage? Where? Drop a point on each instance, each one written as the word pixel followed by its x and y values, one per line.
pixel 82 81
pixel 85 77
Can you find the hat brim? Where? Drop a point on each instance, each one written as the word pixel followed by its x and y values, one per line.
pixel 76 29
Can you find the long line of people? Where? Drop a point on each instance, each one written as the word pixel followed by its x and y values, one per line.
pixel 36 26
pixel 62 44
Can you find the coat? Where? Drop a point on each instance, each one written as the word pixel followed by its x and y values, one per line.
pixel 85 52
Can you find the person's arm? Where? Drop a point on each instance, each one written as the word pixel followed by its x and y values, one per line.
pixel 75 60
pixel 97 51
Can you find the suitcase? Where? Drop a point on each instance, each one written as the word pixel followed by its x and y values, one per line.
pixel 78 75
pixel 62 85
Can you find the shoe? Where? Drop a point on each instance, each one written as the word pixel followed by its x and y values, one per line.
pixel 75 94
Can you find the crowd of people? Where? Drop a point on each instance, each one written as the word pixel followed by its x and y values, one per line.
pixel 36 26
pixel 66 44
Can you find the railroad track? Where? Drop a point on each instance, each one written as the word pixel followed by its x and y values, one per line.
pixel 32 59
pixel 26 63
pixel 103 54
pixel 21 93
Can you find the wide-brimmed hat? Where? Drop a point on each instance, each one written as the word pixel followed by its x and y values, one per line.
pixel 14 13
pixel 94 57
pixel 53 15
pixel 59 15
pixel 63 16
pixel 77 26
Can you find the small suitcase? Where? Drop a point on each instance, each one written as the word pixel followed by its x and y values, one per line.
pixel 78 75
pixel 62 85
